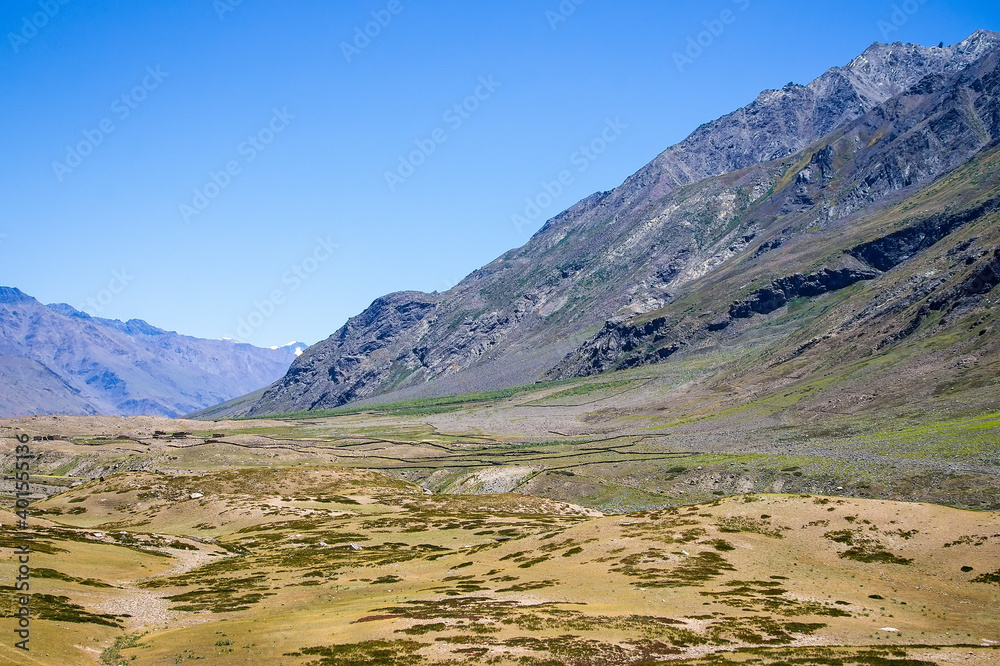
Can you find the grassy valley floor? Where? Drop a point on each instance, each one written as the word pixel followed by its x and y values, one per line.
pixel 625 519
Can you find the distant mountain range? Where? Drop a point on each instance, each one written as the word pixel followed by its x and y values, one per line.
pixel 805 192
pixel 56 359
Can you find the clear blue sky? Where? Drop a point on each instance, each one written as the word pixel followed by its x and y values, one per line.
pixel 197 86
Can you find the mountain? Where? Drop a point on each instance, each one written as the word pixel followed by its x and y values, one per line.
pixel 719 228
pixel 56 359
pixel 821 230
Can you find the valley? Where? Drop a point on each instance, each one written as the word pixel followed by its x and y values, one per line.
pixel 615 519
pixel 741 409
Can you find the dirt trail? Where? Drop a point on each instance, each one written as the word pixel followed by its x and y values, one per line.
pixel 150 609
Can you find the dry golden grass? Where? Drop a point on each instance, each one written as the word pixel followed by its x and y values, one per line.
pixel 328 565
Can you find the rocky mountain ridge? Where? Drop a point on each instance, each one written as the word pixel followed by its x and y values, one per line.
pixel 927 131
pixel 893 119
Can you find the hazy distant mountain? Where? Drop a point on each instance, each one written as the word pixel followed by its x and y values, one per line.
pixel 600 286
pixel 56 359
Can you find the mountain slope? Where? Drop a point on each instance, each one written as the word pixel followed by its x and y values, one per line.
pixel 637 248
pixel 818 231
pixel 782 122
pixel 59 360
pixel 29 384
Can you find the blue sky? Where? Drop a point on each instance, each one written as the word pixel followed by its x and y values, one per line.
pixel 194 163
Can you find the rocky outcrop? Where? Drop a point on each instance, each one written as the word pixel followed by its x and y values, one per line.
pixel 778 293
pixel 619 345
pixel 985 276
pixel 374 349
pixel 623 344
pixel 893 249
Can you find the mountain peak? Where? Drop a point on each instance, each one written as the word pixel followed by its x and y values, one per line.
pixel 67 310
pixel 978 42
pixel 140 327
pixel 130 327
pixel 14 295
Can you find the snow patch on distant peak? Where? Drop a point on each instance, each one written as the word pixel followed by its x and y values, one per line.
pixel 298 347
